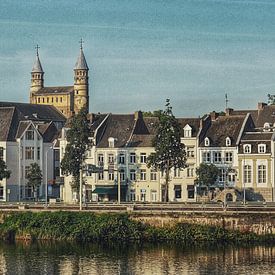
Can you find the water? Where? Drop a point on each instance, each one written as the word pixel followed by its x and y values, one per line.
pixel 68 258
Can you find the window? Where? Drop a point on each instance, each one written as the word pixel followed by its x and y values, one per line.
pixel 132 157
pixel 177 190
pixel 29 135
pixel 122 175
pixel 1 153
pixel 52 99
pixel 100 159
pixel 56 99
pixel 61 99
pixel 43 99
pixel 187 131
pixel 29 152
pixel 176 173
pixel 206 141
pixel 247 148
pixel 261 174
pixel 39 100
pixel 143 194
pixel 132 174
pixel 38 153
pixel 228 156
pixel 228 141
pixel 217 157
pixel 111 142
pixel 56 155
pixel 1 192
pixel 132 195
pixel 48 99
pixel 206 157
pixel 247 174
pixel 143 158
pixel 27 169
pixel 111 176
pixel 190 172
pixel 111 159
pixel 261 148
pixel 153 175
pixel 142 174
pixel 190 152
pixel 231 177
pixel 100 175
pixel 190 191
pixel 153 195
pixel 222 175
pixel 121 159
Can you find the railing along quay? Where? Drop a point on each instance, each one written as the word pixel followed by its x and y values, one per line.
pixel 146 208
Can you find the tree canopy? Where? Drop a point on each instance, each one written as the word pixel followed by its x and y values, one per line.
pixel 34 177
pixel 207 174
pixel 78 143
pixel 169 151
pixel 4 172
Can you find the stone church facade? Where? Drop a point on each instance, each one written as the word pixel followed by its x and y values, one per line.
pixel 67 99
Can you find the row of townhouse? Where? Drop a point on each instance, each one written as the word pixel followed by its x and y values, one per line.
pixel 27 134
pixel 239 143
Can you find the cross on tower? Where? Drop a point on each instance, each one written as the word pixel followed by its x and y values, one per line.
pixel 81 43
pixel 37 48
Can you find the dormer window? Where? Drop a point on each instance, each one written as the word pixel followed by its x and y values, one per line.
pixel 187 131
pixel 247 148
pixel 228 141
pixel 266 126
pixel 261 148
pixel 111 142
pixel 206 141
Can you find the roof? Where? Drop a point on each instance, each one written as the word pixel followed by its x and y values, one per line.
pixel 119 127
pixel 55 90
pixel 35 112
pixel 266 114
pixel 223 127
pixel 6 116
pixel 37 67
pixel 253 113
pixel 81 63
pixel 194 123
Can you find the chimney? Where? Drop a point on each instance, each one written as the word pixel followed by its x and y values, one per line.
pixel 261 105
pixel 228 111
pixel 214 115
pixel 138 115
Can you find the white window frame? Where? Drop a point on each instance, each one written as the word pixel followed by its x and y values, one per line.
pixel 262 148
pixel 206 142
pixel 228 141
pixel 247 148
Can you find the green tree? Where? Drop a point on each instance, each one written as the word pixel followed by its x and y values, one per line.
pixel 169 151
pixel 78 143
pixel 4 172
pixel 152 114
pixel 34 178
pixel 207 174
pixel 271 99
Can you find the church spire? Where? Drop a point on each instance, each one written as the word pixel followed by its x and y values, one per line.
pixel 37 67
pixel 81 63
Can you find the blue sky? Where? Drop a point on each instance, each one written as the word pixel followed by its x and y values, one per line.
pixel 141 52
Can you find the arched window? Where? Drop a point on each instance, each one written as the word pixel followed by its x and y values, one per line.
pixel 247 148
pixel 261 148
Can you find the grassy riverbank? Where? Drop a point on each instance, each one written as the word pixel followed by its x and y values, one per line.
pixel 113 227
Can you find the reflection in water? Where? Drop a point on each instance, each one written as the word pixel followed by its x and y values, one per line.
pixel 71 258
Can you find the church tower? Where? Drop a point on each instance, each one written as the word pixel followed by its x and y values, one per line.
pixel 81 82
pixel 37 77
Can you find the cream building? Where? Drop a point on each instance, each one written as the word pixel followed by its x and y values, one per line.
pixel 67 99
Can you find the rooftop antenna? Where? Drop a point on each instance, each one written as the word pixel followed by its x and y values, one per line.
pixel 226 101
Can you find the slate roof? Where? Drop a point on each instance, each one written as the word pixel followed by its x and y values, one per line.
pixel 223 127
pixel 37 67
pixel 119 127
pixel 16 117
pixel 55 90
pixel 35 112
pixel 6 116
pixel 81 63
pixel 253 113
pixel 254 139
pixel 194 123
pixel 267 114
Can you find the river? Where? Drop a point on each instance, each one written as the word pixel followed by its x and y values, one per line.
pixel 70 258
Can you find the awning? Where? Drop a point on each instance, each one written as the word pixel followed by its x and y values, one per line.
pixel 108 190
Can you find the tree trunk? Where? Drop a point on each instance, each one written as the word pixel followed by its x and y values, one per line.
pixel 166 190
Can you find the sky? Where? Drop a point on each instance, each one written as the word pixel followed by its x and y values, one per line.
pixel 141 52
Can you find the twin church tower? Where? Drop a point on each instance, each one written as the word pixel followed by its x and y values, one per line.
pixel 67 99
